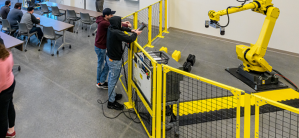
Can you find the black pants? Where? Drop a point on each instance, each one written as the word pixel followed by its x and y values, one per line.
pixel 7 110
pixel 39 31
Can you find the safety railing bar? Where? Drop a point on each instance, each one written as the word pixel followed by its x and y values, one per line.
pixel 146 54
pixel 277 104
pixel 205 80
pixel 128 15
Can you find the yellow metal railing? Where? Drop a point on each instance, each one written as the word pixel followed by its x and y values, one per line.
pixel 217 109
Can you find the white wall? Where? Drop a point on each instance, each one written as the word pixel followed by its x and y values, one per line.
pixel 145 3
pixel 244 26
pixel 74 3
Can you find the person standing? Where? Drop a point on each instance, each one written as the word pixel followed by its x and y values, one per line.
pixel 7 86
pixel 100 5
pixel 5 9
pixel 29 19
pixel 115 37
pixel 15 16
pixel 100 46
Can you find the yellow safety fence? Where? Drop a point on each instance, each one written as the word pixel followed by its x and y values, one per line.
pixel 187 105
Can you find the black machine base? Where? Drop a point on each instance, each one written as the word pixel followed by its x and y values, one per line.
pixel 248 78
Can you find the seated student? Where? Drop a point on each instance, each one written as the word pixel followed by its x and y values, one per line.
pixel 29 19
pixel 5 10
pixel 15 16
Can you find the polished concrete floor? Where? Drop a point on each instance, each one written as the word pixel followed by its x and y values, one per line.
pixel 57 97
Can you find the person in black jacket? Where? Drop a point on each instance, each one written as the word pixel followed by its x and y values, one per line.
pixel 115 37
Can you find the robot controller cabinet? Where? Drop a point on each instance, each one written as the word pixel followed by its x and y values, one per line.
pixel 143 74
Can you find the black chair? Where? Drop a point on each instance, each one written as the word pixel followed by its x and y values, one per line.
pixel 72 16
pixel 45 9
pixel 49 33
pixel 57 13
pixel 23 30
pixel 85 19
pixel 6 27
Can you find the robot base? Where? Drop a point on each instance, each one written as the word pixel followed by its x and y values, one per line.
pixel 257 81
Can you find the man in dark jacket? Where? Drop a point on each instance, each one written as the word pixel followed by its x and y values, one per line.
pixel 100 46
pixel 5 9
pixel 15 16
pixel 115 37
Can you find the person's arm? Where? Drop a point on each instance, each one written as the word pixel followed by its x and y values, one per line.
pixel 20 16
pixel 3 75
pixel 34 20
pixel 127 38
pixel 126 29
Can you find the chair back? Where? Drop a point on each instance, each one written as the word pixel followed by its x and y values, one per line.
pixel 23 28
pixel 6 25
pixel 55 11
pixel 49 32
pixel 85 17
pixel 71 14
pixel 44 8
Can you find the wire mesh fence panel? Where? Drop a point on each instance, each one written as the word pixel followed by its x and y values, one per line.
pixel 144 115
pixel 204 110
pixel 143 18
pixel 155 20
pixel 130 19
pixel 275 122
pixel 125 71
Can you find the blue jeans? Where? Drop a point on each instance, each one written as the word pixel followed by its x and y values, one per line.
pixel 114 73
pixel 101 72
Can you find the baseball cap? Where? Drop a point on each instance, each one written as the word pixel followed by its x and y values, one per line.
pixel 108 11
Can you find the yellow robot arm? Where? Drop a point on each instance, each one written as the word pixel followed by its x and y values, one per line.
pixel 253 56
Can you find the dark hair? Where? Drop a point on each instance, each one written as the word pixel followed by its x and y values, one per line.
pixel 30 9
pixel 18 5
pixel 7 2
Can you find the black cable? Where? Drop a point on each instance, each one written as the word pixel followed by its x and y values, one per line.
pixel 290 82
pixel 228 21
pixel 122 112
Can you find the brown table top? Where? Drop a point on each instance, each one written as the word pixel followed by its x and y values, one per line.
pixel 57 25
pixel 10 41
pixel 77 10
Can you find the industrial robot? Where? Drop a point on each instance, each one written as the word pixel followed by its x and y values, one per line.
pixel 255 70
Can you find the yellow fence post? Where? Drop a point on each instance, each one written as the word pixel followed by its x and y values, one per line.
pixel 247 115
pixel 166 16
pixel 161 19
pixel 154 99
pixel 164 99
pixel 238 114
pixel 159 101
pixel 257 117
pixel 135 27
pixel 149 26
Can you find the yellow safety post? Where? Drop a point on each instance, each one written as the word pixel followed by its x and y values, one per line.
pixel 176 55
pixel 257 117
pixel 159 101
pixel 247 114
pixel 154 80
pixel 135 27
pixel 149 26
pixel 164 49
pixel 161 19
pixel 166 16
pixel 164 97
pixel 238 95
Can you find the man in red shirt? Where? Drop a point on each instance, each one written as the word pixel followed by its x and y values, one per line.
pixel 100 46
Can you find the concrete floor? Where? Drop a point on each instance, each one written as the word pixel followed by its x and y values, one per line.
pixel 57 97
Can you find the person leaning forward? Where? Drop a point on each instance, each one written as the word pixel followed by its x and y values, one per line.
pixel 115 37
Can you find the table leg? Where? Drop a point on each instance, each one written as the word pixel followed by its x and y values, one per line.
pixel 64 43
pixel 64 16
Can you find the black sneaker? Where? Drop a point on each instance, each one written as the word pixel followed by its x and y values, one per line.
pixel 103 86
pixel 118 96
pixel 115 105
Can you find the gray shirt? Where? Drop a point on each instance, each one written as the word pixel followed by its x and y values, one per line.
pixel 4 11
pixel 29 19
pixel 14 16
